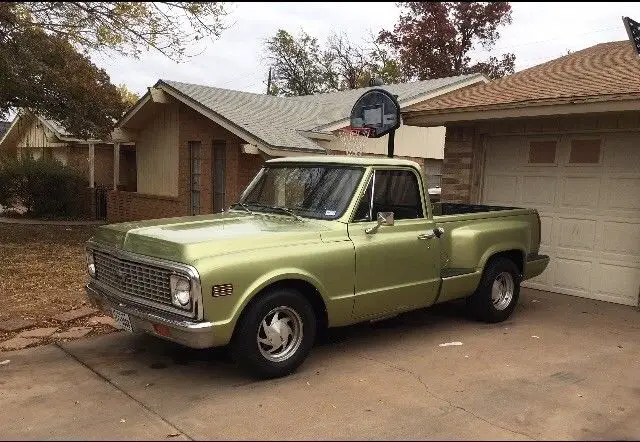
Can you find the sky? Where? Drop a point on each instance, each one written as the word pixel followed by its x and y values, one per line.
pixel 539 32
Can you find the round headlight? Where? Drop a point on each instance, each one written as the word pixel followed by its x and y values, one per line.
pixel 91 265
pixel 183 297
pixel 180 291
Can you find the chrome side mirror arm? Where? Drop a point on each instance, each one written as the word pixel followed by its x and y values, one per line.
pixel 384 219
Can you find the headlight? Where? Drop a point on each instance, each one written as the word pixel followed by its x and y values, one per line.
pixel 180 291
pixel 91 265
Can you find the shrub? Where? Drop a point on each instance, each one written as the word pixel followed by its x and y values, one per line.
pixel 45 187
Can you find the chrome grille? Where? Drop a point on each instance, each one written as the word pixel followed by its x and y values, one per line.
pixel 132 278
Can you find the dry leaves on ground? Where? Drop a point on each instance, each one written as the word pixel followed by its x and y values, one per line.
pixel 42 272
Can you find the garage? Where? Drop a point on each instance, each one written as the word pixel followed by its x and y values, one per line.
pixel 586 188
pixel 562 137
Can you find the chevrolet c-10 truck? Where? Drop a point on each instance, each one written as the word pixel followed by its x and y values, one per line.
pixel 314 242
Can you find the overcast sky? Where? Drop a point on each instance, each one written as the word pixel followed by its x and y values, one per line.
pixel 539 32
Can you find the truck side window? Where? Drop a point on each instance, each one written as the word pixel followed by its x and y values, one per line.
pixel 394 191
pixel 397 191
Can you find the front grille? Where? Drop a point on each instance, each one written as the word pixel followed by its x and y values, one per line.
pixel 133 278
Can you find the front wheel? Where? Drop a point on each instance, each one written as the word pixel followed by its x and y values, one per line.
pixel 275 334
pixel 497 295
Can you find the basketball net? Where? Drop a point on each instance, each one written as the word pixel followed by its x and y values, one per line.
pixel 353 141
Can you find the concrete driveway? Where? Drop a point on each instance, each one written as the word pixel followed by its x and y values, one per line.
pixel 560 368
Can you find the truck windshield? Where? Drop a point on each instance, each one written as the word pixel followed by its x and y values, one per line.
pixel 321 192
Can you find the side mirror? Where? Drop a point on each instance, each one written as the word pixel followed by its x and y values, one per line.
pixel 384 219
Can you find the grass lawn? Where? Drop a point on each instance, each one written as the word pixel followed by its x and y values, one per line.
pixel 42 272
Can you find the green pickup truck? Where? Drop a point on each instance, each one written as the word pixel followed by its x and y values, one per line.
pixel 314 242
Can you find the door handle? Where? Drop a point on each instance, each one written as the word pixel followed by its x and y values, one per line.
pixel 438 231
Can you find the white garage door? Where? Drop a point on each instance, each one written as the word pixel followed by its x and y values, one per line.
pixel 587 191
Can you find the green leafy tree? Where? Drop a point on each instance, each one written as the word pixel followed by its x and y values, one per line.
pixel 128 97
pixel 302 67
pixel 434 39
pixel 45 46
pixel 127 27
pixel 297 64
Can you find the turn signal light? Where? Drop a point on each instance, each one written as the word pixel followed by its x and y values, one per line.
pixel 221 290
pixel 162 329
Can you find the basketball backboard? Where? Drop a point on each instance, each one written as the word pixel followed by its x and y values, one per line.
pixel 377 110
pixel 633 32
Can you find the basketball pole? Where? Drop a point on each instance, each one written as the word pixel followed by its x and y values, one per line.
pixel 391 143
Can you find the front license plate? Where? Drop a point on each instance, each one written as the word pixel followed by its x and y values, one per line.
pixel 122 321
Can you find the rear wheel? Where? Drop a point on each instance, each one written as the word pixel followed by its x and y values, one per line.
pixel 275 334
pixel 497 294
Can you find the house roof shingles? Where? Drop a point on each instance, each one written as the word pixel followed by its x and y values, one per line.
pixel 278 121
pixel 604 72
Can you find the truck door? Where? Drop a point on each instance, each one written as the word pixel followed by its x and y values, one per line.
pixel 397 267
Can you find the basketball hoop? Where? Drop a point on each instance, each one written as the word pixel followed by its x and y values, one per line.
pixel 354 139
pixel 379 111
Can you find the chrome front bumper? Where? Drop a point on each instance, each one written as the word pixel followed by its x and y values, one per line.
pixel 185 332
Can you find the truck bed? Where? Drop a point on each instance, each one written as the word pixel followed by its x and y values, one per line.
pixel 442 209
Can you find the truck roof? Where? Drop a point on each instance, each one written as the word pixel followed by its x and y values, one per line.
pixel 344 159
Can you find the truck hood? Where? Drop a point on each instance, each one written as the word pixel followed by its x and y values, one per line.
pixel 187 239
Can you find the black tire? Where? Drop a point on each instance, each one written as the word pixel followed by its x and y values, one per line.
pixel 481 303
pixel 246 350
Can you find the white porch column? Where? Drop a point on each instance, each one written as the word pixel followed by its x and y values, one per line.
pixel 116 165
pixel 92 157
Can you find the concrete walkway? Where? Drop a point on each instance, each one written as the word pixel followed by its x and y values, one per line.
pixel 560 368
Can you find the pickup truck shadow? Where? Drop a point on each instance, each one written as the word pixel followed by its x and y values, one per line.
pixel 414 320
pixel 446 314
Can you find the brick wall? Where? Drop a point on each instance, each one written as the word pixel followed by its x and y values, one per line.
pixel 240 168
pixel 459 147
pixel 78 158
pixel 133 206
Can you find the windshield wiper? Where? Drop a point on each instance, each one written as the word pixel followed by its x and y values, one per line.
pixel 281 209
pixel 244 206
pixel 288 212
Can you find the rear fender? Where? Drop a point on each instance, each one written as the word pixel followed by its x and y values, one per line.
pixel 470 246
pixel 502 247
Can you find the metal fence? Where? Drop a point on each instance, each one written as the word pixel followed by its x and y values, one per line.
pixel 100 202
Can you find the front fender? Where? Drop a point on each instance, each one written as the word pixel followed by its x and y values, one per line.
pixel 225 327
pixel 329 267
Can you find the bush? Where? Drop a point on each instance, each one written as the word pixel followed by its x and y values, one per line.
pixel 45 187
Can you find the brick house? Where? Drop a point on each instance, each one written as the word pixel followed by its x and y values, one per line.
pixel 562 137
pixel 197 147
pixel 39 137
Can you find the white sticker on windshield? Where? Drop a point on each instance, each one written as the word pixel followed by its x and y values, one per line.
pixel 329 213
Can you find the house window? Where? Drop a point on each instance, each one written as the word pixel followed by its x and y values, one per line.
pixel 585 151
pixel 542 152
pixel 219 162
pixel 196 163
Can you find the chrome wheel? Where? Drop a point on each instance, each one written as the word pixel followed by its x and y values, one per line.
pixel 279 334
pixel 502 290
